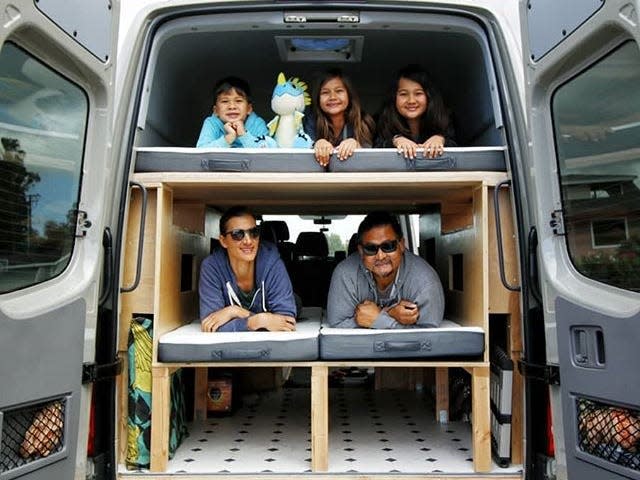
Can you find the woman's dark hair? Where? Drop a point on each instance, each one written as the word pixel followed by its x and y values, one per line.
pixel 435 121
pixel 363 126
pixel 235 211
pixel 379 218
pixel 225 85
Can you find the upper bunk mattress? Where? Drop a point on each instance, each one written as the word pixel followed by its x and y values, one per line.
pixel 448 340
pixel 189 344
pixel 176 159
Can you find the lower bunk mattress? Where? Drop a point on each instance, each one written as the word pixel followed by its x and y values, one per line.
pixel 189 344
pixel 448 340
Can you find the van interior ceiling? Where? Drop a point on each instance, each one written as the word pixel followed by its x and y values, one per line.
pixel 191 53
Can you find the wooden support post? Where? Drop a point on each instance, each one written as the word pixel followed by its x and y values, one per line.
pixel 160 417
pixel 319 418
pixel 481 411
pixel 442 394
pixel 201 391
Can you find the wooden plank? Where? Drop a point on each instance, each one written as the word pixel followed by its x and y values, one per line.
pixel 200 393
pixel 342 363
pixel 340 192
pixel 481 436
pixel 442 395
pixel 319 418
pixel 160 416
pixel 167 305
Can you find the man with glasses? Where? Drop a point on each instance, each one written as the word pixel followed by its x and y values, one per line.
pixel 383 285
pixel 244 285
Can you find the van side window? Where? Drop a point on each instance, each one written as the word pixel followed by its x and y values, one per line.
pixel 597 132
pixel 43 119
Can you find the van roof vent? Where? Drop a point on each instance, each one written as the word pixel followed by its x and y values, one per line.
pixel 319 48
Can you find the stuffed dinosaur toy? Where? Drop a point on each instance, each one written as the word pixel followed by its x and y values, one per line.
pixel 288 102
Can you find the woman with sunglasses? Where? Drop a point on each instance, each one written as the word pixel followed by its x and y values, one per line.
pixel 383 285
pixel 244 285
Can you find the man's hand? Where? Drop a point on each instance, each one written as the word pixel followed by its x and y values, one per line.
pixel 366 313
pixel 272 322
pixel 404 312
pixel 216 319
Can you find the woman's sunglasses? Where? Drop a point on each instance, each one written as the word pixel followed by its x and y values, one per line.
pixel 238 234
pixel 371 249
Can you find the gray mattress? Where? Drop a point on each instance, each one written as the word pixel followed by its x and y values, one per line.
pixel 453 159
pixel 449 340
pixel 161 159
pixel 169 159
pixel 189 344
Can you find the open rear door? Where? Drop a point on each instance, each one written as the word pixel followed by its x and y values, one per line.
pixel 582 62
pixel 56 81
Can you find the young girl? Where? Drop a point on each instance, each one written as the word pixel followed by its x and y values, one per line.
pixel 337 120
pixel 414 116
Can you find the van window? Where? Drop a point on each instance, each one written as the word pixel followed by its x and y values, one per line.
pixel 337 228
pixel 597 130
pixel 43 119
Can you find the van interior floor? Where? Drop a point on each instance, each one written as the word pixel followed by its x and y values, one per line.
pixel 388 431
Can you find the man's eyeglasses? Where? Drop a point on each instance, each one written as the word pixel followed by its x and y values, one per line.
pixel 238 234
pixel 370 249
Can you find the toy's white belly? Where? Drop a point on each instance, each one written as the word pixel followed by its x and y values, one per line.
pixel 286 132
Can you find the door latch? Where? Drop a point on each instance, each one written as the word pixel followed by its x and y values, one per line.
pixel 557 222
pixel 82 223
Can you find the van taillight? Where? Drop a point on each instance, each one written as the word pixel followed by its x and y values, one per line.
pixel 551 446
pixel 92 428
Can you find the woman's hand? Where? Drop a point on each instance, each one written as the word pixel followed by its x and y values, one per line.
pixel 272 322
pixel 405 146
pixel 346 148
pixel 323 150
pixel 434 146
pixel 216 319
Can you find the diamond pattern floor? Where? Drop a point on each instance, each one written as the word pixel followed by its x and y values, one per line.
pixel 370 432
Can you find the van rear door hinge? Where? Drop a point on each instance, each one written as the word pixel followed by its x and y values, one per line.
pixel 92 372
pixel 557 222
pixel 549 374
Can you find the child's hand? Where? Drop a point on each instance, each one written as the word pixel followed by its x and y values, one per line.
pixel 346 148
pixel 323 150
pixel 230 133
pixel 434 146
pixel 405 146
pixel 238 126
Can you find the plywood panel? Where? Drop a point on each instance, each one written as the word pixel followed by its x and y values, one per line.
pixel 500 298
pixel 141 299
pixel 189 216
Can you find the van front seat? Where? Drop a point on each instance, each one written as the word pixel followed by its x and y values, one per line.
pixel 312 268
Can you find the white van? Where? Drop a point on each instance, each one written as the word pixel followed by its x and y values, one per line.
pixel 532 222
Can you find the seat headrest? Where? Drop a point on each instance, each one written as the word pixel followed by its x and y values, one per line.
pixel 353 244
pixel 312 244
pixel 274 231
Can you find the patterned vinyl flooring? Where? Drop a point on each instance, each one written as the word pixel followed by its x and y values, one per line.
pixel 369 432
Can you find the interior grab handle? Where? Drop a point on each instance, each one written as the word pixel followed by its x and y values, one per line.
pixel 496 206
pixel 143 216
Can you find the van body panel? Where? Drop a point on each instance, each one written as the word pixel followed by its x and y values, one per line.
pixel 588 315
pixel 56 128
